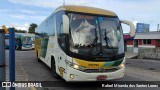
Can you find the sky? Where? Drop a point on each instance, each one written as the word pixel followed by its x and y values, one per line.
pixel 21 13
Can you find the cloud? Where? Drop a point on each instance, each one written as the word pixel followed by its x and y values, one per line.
pixel 39 3
pixel 145 11
pixel 18 26
pixel 79 2
pixel 49 3
pixel 27 17
pixel 27 11
pixel 4 10
pixel 23 18
pixel 124 8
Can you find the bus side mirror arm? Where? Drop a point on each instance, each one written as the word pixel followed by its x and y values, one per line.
pixel 65 24
pixel 132 27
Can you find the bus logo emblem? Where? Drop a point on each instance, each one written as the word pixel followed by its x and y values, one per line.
pixel 101 69
pixel 93 64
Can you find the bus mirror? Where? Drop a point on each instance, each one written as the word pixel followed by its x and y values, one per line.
pixel 65 24
pixel 132 27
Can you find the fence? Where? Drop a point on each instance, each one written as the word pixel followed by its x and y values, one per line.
pixel 150 53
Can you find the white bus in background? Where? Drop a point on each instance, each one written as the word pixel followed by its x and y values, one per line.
pixel 23 41
pixel 82 44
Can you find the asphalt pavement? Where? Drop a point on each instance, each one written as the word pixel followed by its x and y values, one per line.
pixel 29 69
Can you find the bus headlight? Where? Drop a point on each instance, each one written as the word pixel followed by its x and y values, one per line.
pixel 121 65
pixel 75 66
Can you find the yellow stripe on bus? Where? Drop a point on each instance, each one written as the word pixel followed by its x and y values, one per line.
pixel 89 64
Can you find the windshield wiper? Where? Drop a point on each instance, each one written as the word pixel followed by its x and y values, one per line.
pixel 107 39
pixel 96 38
pixel 94 49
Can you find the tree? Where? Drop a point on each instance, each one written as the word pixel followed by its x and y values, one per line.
pixel 32 28
pixel 20 31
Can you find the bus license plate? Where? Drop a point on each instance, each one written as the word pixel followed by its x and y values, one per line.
pixel 101 77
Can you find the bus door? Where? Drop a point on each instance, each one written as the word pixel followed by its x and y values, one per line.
pixel 61 44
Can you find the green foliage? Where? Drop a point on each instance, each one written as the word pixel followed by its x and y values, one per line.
pixel 32 28
pixel 20 31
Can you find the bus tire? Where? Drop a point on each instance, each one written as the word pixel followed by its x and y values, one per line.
pixel 53 68
pixel 38 58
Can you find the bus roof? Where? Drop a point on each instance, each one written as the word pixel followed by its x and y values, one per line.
pixel 85 9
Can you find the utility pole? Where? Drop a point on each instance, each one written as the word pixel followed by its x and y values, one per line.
pixel 157 27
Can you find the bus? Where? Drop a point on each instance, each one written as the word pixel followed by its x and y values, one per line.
pixel 82 43
pixel 6 40
pixel 23 41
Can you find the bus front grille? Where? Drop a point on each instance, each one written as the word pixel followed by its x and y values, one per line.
pixel 100 70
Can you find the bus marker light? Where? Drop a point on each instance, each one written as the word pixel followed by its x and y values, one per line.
pixel 71 76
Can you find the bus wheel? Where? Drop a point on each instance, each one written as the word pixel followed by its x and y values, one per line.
pixel 53 68
pixel 38 58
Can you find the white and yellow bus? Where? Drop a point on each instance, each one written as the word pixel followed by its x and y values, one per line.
pixel 82 43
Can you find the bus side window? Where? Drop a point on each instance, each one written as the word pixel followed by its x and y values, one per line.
pixel 51 31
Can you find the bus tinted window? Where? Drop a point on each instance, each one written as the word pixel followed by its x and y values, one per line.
pixel 59 28
pixel 59 22
pixel 50 26
pixel 46 28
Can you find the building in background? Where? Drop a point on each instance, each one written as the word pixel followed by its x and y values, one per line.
pixel 148 39
pixel 128 42
pixel 142 40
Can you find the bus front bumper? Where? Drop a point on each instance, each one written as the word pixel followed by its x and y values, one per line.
pixel 76 75
pixel 26 48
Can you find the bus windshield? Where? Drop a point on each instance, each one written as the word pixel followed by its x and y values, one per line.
pixel 27 40
pixel 95 35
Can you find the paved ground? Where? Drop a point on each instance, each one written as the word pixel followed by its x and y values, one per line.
pixel 147 64
pixel 29 69
pixel 130 55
